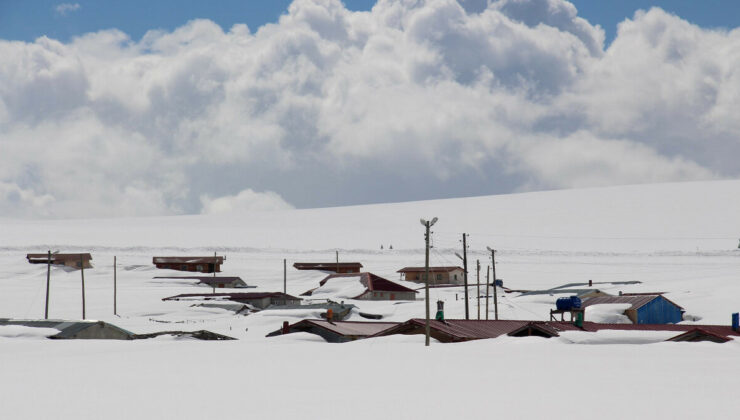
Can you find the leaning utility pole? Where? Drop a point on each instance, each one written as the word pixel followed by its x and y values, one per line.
pixel 427 224
pixel 465 274
pixel 48 278
pixel 82 274
pixel 478 282
pixel 495 292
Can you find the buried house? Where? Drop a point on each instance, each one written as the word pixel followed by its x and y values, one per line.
pixel 196 264
pixel 67 260
pixel 336 267
pixel 437 275
pixel 260 300
pixel 643 309
pixel 360 286
pixel 335 332
pixel 73 329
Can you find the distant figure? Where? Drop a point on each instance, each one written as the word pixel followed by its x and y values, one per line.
pixel 381 246
pixel 391 246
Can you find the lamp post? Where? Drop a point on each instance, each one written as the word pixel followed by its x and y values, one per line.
pixel 427 224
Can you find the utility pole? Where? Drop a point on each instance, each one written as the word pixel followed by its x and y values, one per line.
pixel 495 292
pixel 285 276
pixel 477 269
pixel 82 274
pixel 427 225
pixel 337 252
pixel 488 284
pixel 215 263
pixel 115 287
pixel 48 278
pixel 465 274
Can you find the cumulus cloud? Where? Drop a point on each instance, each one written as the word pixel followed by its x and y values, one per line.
pixel 411 100
pixel 245 201
pixel 64 8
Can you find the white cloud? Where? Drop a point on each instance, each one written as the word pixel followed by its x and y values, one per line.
pixel 414 99
pixel 245 201
pixel 64 8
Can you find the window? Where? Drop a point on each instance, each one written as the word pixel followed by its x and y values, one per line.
pixel 183 267
pixel 439 277
pixel 455 276
pixel 199 267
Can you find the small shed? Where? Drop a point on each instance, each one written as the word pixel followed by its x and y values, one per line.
pixel 75 329
pixel 335 332
pixel 364 286
pixel 644 309
pixel 194 264
pixel 335 267
pixel 439 275
pixel 67 260
pixel 259 300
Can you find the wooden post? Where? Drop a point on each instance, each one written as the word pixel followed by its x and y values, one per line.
pixel 426 284
pixel 488 285
pixel 82 274
pixel 115 287
pixel 495 290
pixel 337 260
pixel 285 276
pixel 465 275
pixel 48 278
pixel 478 282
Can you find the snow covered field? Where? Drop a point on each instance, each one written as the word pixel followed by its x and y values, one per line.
pixel 675 238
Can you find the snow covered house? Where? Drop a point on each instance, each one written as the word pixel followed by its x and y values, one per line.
pixel 211 281
pixel 335 267
pixel 360 286
pixel 642 309
pixel 260 300
pixel 62 329
pixel 198 264
pixel 67 260
pixel 439 275
pixel 335 332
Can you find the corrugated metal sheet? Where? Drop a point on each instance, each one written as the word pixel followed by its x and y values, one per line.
pixel 187 260
pixel 232 296
pixel 373 282
pixel 58 258
pixel 635 301
pixel 328 266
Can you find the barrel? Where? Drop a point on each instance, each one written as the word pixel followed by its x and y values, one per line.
pixel 564 304
pixel 575 302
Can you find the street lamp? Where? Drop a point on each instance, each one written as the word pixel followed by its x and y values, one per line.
pixel 427 225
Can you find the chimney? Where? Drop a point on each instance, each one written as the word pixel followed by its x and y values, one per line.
pixel 620 293
pixel 736 322
pixel 286 327
pixel 590 283
pixel 440 311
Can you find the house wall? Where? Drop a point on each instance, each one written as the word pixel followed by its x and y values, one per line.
pixel 451 277
pixel 659 311
pixel 198 268
pixel 76 264
pixel 387 296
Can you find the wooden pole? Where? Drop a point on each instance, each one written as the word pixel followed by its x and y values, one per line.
pixel 495 290
pixel 337 261
pixel 115 287
pixel 488 286
pixel 477 269
pixel 285 276
pixel 465 275
pixel 215 261
pixel 426 284
pixel 82 274
pixel 48 278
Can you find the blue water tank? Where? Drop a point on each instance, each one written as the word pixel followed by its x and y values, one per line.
pixel 568 303
pixel 499 283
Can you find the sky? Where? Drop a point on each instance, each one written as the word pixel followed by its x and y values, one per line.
pixel 137 108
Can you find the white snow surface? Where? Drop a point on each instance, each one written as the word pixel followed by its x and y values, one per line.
pixel 681 239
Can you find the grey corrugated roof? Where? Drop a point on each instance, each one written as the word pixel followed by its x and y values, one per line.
pixel 67 328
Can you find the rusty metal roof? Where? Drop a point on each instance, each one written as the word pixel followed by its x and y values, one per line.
pixel 456 330
pixel 374 283
pixel 232 296
pixel 431 269
pixel 325 265
pixel 353 329
pixel 187 260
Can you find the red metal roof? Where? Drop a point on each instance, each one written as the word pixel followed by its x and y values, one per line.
pixel 431 269
pixel 455 330
pixel 325 265
pixel 351 328
pixel 374 283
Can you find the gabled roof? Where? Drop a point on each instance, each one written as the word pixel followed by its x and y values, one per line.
pixel 446 269
pixel 68 329
pixel 700 334
pixel 187 260
pixel 349 329
pixel 637 302
pixel 457 330
pixel 374 283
